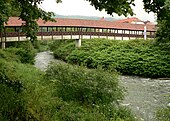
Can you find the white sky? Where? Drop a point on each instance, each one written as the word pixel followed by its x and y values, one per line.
pixel 82 7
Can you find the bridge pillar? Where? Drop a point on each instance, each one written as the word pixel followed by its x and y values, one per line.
pixel 3 42
pixel 78 42
pixel 3 45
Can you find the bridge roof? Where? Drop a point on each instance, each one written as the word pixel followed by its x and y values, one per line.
pixel 65 22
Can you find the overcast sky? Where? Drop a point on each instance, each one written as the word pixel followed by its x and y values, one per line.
pixel 82 7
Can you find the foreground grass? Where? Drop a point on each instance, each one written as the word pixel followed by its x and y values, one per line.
pixel 134 57
pixel 63 93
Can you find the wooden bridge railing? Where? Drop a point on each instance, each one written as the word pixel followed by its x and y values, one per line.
pixel 80 33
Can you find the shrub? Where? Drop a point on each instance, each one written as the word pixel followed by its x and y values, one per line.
pixel 11 101
pixel 19 89
pixel 28 94
pixel 20 52
pixel 86 86
pixel 44 45
pixel 133 57
pixel 71 111
pixel 87 94
pixel 64 48
pixel 9 54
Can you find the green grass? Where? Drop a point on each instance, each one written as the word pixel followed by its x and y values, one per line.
pixel 63 93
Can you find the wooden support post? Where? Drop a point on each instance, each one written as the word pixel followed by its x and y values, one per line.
pixel 81 30
pixel 41 33
pixel 4 39
pixel 18 35
pixel 52 33
pixel 5 34
pixel 1 40
pixel 79 34
pixel 1 37
pixel 62 36
pixel 71 36
pixel 114 34
pixel 107 34
pixel 90 35
pixel 122 34
pixel 150 34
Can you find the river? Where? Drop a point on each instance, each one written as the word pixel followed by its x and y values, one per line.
pixel 144 95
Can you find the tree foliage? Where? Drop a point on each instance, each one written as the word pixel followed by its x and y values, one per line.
pixel 162 10
pixel 163 33
pixel 28 11
pixel 121 7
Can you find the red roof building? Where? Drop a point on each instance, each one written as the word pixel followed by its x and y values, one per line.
pixel 134 20
pixel 125 24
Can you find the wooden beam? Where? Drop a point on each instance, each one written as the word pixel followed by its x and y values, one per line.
pixel 41 33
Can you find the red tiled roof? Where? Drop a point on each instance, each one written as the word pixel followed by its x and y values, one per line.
pixel 15 21
pixel 129 20
pixel 133 21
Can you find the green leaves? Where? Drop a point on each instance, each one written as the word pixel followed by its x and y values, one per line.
pixel 137 57
pixel 28 11
pixel 85 86
pixel 87 94
pixel 121 7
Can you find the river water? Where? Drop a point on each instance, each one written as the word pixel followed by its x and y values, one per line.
pixel 144 95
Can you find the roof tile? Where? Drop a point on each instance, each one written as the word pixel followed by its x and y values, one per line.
pixel 15 21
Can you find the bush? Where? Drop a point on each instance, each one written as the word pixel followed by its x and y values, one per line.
pixel 27 95
pixel 85 86
pixel 24 95
pixel 134 57
pixel 87 94
pixel 12 86
pixel 44 45
pixel 9 54
pixel 64 48
pixel 71 111
pixel 21 52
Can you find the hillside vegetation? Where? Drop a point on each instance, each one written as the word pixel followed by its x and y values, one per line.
pixel 133 57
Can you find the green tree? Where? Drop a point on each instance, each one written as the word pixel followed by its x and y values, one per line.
pixel 163 33
pixel 121 7
pixel 28 11
pixel 162 9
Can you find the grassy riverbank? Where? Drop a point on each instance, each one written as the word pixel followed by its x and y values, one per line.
pixel 134 57
pixel 62 93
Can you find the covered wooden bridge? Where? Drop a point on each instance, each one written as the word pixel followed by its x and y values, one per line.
pixel 78 28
